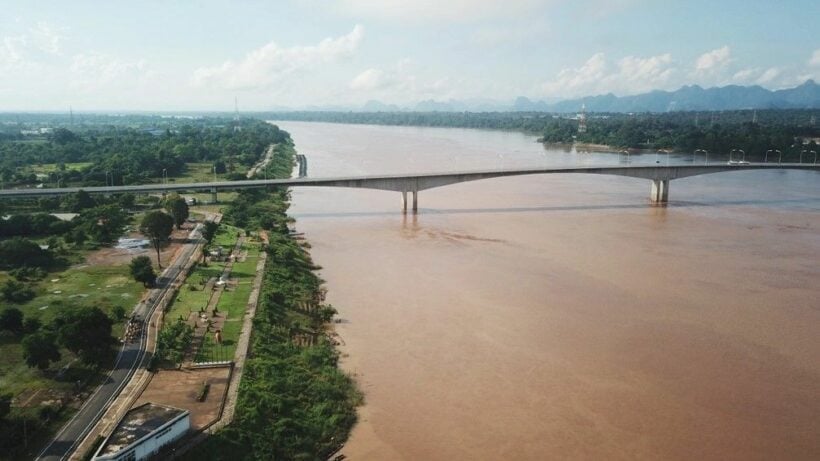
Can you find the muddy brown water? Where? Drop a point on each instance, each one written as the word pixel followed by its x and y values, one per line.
pixel 563 317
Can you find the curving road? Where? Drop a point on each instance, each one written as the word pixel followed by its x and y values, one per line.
pixel 132 356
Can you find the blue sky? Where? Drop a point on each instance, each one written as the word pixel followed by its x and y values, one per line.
pixel 176 55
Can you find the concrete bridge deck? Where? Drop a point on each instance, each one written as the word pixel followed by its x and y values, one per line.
pixel 660 175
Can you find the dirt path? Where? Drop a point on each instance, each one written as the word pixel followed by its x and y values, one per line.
pixel 262 163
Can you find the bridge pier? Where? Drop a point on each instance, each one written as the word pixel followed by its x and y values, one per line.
pixel 660 191
pixel 404 201
pixel 415 202
pixel 213 195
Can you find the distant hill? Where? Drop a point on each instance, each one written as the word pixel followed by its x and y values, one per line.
pixel 687 98
pixel 693 97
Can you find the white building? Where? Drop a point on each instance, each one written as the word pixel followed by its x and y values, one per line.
pixel 143 431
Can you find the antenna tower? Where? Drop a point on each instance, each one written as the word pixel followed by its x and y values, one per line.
pixel 582 119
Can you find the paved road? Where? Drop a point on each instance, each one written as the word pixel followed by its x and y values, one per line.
pixel 130 358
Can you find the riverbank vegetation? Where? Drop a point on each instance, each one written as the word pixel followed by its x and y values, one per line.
pixel 294 402
pixel 789 131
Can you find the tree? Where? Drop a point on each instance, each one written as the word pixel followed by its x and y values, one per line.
pixel 85 331
pixel 39 349
pixel 127 201
pixel 143 271
pixel 16 292
pixel 219 167
pixel 178 208
pixel 63 136
pixel 5 405
pixel 31 324
pixel 209 230
pixel 79 201
pixel 78 236
pixel 19 252
pixel 11 319
pixel 157 226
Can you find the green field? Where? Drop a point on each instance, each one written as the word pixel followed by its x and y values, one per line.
pixel 193 295
pixel 46 168
pixel 203 172
pixel 102 286
pixel 233 303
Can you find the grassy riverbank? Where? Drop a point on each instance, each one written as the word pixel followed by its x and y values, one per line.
pixel 294 402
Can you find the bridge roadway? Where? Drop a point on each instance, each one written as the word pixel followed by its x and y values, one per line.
pixel 660 175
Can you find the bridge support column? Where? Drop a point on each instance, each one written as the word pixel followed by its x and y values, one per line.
pixel 404 201
pixel 213 196
pixel 415 201
pixel 660 191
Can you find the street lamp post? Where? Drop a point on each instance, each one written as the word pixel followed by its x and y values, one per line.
pixel 214 172
pixel 164 176
pixel 766 158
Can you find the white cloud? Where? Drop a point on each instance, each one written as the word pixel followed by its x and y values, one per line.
pixel 768 76
pixel 30 48
pixel 630 75
pixel 47 38
pixel 514 33
pixel 100 68
pixel 745 75
pixel 449 10
pixel 713 60
pixel 814 61
pixel 270 64
pixel 12 51
pixel 372 79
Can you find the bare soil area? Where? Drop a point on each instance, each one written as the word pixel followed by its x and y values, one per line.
pixel 118 256
pixel 180 388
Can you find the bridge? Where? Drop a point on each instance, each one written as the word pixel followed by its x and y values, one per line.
pixel 660 176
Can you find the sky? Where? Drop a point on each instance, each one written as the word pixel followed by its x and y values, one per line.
pixel 177 55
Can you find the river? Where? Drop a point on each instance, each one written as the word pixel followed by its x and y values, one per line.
pixel 562 316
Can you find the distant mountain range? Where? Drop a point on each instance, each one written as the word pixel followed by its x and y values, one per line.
pixel 732 97
pixel 691 97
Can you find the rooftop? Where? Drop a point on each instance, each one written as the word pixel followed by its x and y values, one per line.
pixel 138 423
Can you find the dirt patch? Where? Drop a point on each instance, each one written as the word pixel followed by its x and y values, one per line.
pixel 118 256
pixel 180 388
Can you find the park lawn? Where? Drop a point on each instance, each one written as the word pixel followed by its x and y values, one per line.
pixel 189 300
pixel 205 198
pixel 233 304
pixel 198 172
pixel 203 172
pixel 192 300
pixel 46 168
pixel 101 286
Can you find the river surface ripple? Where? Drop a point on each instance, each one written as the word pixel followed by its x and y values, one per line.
pixel 562 316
